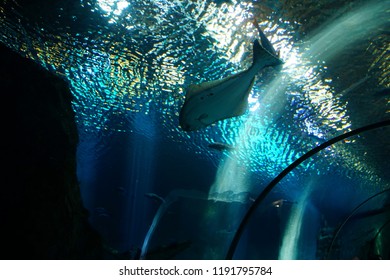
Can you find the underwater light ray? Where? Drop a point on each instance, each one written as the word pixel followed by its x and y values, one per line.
pixel 288 250
pixel 356 25
pixel 170 199
pixel 300 68
pixel 286 171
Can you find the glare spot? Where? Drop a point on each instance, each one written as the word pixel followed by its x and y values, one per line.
pixel 226 24
pixel 112 7
pixel 253 103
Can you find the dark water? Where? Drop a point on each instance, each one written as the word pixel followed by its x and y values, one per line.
pixel 150 186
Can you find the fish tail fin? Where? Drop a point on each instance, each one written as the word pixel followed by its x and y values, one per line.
pixel 264 57
pixel 263 52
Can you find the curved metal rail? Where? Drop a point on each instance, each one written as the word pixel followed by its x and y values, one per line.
pixel 288 169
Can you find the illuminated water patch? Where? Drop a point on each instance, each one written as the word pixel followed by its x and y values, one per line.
pixel 292 233
pixel 303 81
pixel 112 8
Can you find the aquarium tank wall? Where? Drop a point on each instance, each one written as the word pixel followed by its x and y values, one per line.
pixel 300 172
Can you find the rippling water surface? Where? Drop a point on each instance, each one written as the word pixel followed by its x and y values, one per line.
pixel 128 64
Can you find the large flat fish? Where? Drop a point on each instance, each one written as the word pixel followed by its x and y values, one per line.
pixel 213 101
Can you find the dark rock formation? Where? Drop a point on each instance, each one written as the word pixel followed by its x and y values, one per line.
pixel 42 216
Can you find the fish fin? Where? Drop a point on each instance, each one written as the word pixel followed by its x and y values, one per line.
pixel 267 44
pixel 262 56
pixel 192 90
pixel 241 109
pixel 263 50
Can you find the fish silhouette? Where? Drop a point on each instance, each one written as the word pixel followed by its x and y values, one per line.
pixel 209 102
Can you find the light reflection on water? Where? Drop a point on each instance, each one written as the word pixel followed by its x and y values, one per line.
pixel 306 77
pixel 144 54
pixel 128 68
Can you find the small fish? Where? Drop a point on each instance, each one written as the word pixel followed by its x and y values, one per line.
pixel 281 202
pixel 155 197
pixel 101 212
pixel 213 101
pixel 220 146
pixel 354 86
pixel 278 203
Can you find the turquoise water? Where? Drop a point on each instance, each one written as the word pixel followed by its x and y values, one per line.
pixel 128 64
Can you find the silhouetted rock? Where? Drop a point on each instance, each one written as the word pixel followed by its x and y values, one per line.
pixel 42 216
